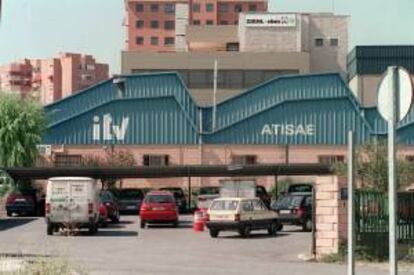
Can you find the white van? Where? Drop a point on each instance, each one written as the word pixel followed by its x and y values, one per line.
pixel 73 203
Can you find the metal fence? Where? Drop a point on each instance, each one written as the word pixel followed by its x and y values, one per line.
pixel 371 210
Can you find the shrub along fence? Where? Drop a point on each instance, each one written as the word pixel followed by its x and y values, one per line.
pixel 371 211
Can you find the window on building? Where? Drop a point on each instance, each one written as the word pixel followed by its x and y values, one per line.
pixel 318 42
pixel 139 24
pixel 66 160
pixel 169 8
pixel 139 7
pixel 243 159
pixel 232 47
pixel 196 7
pixel 154 7
pixel 169 25
pixel 224 22
pixel 196 22
pixel 252 7
pixel 223 7
pixel 169 41
pixel 334 42
pixel 209 7
pixel 238 8
pixel 139 40
pixel 156 160
pixel 154 24
pixel 330 159
pixel 209 22
pixel 154 40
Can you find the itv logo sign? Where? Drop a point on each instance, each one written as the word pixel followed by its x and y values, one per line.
pixel 109 130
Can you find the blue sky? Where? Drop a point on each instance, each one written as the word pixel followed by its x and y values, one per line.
pixel 42 28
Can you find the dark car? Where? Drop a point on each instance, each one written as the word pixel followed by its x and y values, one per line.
pixel 130 200
pixel 263 195
pixel 179 197
pixel 295 209
pixel 23 202
pixel 110 202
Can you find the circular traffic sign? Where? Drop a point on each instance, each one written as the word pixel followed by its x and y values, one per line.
pixel 404 94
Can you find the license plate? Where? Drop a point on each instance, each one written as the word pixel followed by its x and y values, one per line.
pixel 159 208
pixel 130 207
pixel 20 200
pixel 284 212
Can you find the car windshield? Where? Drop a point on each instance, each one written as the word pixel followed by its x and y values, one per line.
pixel 289 201
pixel 178 192
pixel 159 199
pixel 106 196
pixel 224 205
pixel 209 191
pixel 131 194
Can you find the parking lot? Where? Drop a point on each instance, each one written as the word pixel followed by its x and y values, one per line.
pixel 125 249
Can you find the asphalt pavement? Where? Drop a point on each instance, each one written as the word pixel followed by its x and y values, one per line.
pixel 124 248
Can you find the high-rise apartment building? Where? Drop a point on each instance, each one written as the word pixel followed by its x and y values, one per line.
pixel 161 25
pixel 53 78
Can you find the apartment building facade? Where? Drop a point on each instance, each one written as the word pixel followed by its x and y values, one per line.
pixel 54 78
pixel 160 25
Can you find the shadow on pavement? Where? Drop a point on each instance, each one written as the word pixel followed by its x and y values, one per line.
pixel 104 233
pixel 255 236
pixel 9 223
pixel 181 225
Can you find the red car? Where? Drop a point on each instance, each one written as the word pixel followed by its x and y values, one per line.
pixel 110 203
pixel 159 207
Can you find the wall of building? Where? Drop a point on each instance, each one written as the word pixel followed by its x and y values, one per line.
pixel 328 58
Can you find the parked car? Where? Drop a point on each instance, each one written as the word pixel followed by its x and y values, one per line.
pixel 295 209
pixel 72 202
pixel 241 215
pixel 130 200
pixel 179 196
pixel 263 195
pixel 206 195
pixel 22 202
pixel 110 202
pixel 159 207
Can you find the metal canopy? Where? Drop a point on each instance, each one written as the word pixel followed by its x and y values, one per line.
pixel 171 171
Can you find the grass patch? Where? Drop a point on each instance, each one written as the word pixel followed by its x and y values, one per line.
pixel 37 266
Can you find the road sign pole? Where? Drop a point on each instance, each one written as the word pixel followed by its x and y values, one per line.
pixel 351 206
pixel 392 186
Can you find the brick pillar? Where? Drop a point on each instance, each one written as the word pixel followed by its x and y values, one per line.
pixel 330 214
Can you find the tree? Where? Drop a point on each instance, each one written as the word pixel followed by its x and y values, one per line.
pixel 112 158
pixel 22 123
pixel 371 165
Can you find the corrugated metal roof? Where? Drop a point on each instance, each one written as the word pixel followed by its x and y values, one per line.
pixel 158 109
pixel 375 59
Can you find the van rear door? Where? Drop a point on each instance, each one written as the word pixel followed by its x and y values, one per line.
pixel 59 200
pixel 78 202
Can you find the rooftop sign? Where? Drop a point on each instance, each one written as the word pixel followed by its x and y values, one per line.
pixel 270 20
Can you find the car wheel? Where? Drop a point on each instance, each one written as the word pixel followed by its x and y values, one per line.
pixel 142 224
pixel 175 224
pixel 307 226
pixel 214 233
pixel 115 218
pixel 273 228
pixel 49 229
pixel 93 228
pixel 280 227
pixel 245 231
pixel 9 214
